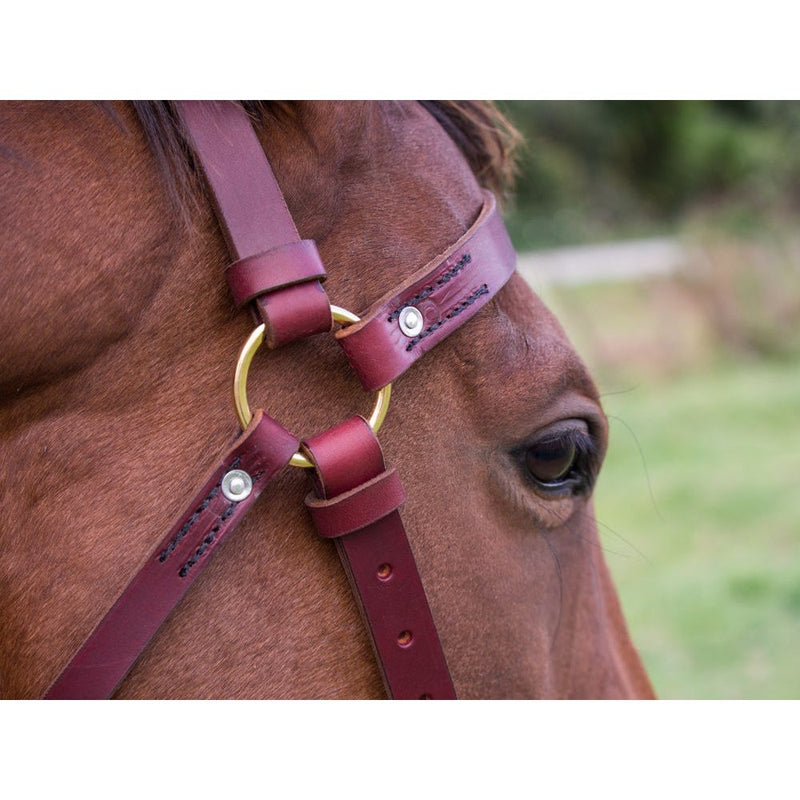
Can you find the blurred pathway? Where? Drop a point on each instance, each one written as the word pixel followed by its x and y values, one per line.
pixel 616 261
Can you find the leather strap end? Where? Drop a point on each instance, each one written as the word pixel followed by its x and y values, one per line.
pixel 445 293
pixel 351 511
pixel 287 265
pixel 357 495
pixel 294 312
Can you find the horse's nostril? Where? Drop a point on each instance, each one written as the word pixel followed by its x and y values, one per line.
pixel 404 639
pixel 385 571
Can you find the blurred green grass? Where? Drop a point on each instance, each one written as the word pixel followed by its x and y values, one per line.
pixel 698 501
pixel 698 504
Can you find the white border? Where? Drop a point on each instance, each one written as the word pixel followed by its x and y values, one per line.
pixel 393 750
pixel 497 50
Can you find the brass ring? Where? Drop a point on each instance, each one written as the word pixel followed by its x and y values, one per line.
pixel 254 341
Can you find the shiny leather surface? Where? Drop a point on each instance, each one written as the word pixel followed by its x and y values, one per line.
pixel 378 560
pixel 448 291
pixel 252 213
pixel 362 506
pixel 287 265
pixel 112 648
pixel 294 313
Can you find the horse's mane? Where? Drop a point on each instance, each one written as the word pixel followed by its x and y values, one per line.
pixel 483 134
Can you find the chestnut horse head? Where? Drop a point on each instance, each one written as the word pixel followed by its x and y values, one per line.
pixel 119 340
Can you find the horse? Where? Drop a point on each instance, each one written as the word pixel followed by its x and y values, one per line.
pixel 119 339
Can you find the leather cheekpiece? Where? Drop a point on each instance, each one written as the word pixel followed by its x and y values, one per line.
pixel 377 559
pixel 256 222
pixel 112 648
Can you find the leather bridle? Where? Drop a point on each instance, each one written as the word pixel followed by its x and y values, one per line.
pixel 356 498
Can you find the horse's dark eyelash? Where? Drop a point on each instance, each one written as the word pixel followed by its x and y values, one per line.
pixel 584 473
pixel 583 441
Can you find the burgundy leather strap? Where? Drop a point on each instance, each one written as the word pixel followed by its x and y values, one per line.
pixel 293 263
pixel 447 292
pixel 114 645
pixel 362 506
pixel 377 557
pixel 255 221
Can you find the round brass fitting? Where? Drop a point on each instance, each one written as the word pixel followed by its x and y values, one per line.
pixel 254 341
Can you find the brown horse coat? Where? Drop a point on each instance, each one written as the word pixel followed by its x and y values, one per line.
pixel 119 339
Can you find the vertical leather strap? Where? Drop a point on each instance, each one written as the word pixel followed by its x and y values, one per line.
pixel 356 504
pixel 256 223
pixel 112 648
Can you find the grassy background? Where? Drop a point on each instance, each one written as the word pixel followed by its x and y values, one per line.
pixel 699 499
pixel 699 506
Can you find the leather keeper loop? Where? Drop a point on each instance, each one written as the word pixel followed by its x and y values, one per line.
pixel 362 506
pixel 287 265
pixel 272 266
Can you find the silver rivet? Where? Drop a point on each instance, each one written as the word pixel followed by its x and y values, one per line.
pixel 237 485
pixel 410 321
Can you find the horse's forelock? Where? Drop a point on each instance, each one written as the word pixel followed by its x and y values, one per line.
pixel 479 129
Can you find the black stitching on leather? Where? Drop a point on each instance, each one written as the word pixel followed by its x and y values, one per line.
pixel 454 312
pixel 186 527
pixel 207 541
pixel 428 290
pixel 215 530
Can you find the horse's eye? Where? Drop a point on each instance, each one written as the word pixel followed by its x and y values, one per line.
pixel 561 460
pixel 550 462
